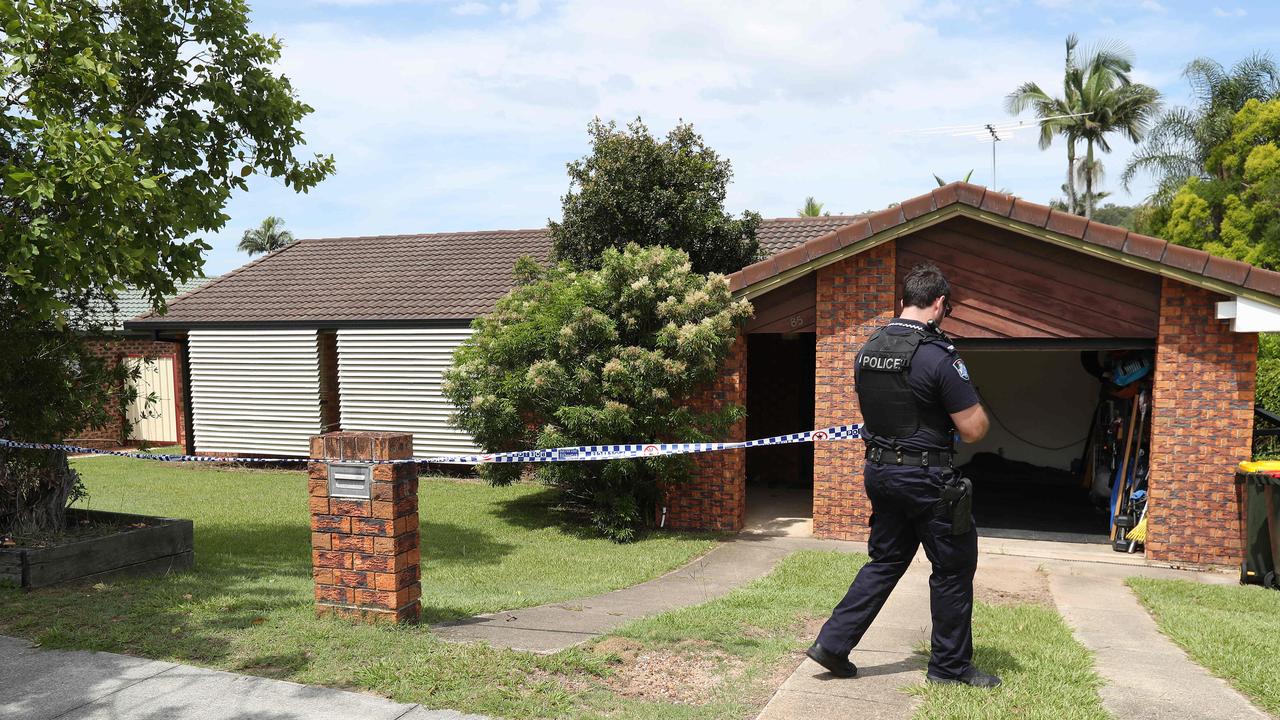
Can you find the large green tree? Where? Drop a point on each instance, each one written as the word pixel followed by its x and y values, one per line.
pixel 600 356
pixel 1235 211
pixel 1099 100
pixel 127 125
pixel 634 188
pixel 1181 138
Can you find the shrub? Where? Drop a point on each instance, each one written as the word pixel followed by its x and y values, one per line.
pixel 599 356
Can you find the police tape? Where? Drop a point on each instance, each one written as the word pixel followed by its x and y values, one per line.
pixel 579 453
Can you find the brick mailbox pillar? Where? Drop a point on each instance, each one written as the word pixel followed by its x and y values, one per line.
pixel 364 527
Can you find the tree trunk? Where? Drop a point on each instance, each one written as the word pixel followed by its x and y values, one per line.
pixel 36 494
pixel 1088 181
pixel 1073 200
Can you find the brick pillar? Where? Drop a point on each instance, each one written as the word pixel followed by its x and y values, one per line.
pixel 1202 425
pixel 855 297
pixel 364 553
pixel 715 497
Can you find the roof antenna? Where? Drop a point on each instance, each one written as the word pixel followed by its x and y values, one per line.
pixel 990 132
pixel 995 138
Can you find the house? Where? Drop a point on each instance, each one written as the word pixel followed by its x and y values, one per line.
pixel 351 333
pixel 155 423
pixel 354 333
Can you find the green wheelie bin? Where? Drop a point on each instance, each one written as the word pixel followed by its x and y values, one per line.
pixel 1259 493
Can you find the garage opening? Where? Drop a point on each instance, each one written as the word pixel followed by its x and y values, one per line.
pixel 1067 426
pixel 780 400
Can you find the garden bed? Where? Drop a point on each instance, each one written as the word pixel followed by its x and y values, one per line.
pixel 101 544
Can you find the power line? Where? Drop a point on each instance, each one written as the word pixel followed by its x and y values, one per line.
pixel 989 132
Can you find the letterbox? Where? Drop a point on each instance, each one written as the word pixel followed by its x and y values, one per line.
pixel 350 480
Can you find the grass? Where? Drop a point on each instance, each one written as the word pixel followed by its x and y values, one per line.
pixel 248 608
pixel 248 605
pixel 1232 630
pixel 1046 673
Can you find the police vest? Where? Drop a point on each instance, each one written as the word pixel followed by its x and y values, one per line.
pixel 890 410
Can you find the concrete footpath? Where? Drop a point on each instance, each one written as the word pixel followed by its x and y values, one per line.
pixel 549 628
pixel 38 684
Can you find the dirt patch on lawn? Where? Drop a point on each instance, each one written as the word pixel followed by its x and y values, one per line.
pixel 688 673
pixel 1006 586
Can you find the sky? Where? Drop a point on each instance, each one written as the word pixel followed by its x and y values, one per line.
pixel 449 115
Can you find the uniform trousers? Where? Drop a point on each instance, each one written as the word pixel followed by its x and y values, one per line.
pixel 904 504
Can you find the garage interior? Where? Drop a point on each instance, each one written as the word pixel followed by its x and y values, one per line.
pixel 1034 475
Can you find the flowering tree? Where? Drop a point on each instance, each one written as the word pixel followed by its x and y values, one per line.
pixel 599 356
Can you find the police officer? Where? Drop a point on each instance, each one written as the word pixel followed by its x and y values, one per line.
pixel 914 392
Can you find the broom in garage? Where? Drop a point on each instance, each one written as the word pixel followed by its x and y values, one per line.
pixel 1139 532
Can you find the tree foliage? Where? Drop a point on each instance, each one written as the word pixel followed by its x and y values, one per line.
pixel 1181 138
pixel 811 208
pixel 633 188
pixel 126 126
pixel 268 236
pixel 599 356
pixel 1235 212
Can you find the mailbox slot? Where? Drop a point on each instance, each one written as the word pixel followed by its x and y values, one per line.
pixel 350 480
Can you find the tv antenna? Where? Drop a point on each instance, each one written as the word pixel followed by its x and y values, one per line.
pixel 991 132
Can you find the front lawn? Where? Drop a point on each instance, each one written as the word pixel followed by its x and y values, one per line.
pixel 484 549
pixel 248 608
pixel 1232 630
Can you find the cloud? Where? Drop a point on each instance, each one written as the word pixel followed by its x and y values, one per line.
pixel 522 9
pixel 469 126
pixel 471 8
pixel 1232 13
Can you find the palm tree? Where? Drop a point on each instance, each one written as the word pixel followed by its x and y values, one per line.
pixel 1127 109
pixel 942 182
pixel 268 236
pixel 812 208
pixel 1182 138
pixel 1098 99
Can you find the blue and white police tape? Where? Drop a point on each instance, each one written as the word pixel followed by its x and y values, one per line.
pixel 578 453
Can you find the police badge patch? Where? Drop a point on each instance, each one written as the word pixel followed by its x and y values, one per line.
pixel 961 370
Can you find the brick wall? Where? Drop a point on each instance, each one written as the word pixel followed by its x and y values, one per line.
pixel 1202 425
pixel 365 553
pixel 855 297
pixel 715 498
pixel 114 350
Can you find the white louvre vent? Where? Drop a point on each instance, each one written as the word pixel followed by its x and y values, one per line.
pixel 390 379
pixel 255 392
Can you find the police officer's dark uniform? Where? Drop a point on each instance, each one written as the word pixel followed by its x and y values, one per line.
pixel 909 380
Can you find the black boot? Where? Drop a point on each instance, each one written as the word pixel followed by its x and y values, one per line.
pixel 972 677
pixel 838 665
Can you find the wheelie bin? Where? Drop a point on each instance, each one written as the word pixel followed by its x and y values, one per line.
pixel 1258 489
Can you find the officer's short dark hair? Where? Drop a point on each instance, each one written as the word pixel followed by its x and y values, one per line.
pixel 923 285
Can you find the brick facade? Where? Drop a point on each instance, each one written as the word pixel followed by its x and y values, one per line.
pixel 365 553
pixel 855 297
pixel 114 350
pixel 1202 419
pixel 715 498
pixel 1202 424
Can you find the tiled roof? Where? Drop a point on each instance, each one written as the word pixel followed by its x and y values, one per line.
pixel 441 276
pixel 1186 263
pixel 132 303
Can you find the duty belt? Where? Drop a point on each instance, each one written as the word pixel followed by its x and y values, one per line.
pixel 930 458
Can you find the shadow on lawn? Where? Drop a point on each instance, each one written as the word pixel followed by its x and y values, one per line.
pixel 245 576
pixel 546 509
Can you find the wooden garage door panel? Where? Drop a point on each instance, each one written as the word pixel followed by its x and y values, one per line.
pixel 1009 286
